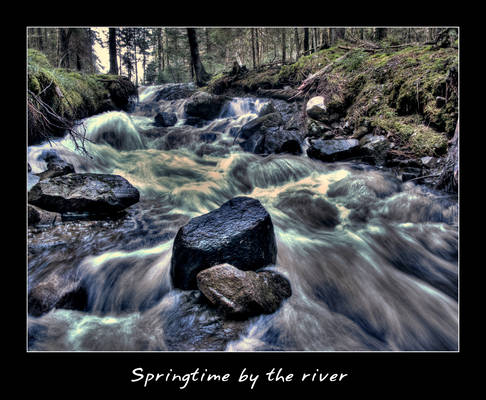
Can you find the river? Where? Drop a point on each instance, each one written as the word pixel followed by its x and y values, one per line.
pixel 373 261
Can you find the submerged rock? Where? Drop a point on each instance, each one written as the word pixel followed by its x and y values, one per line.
pixel 57 291
pixel 84 193
pixel 165 119
pixel 240 232
pixel 56 166
pixel 334 149
pixel 240 293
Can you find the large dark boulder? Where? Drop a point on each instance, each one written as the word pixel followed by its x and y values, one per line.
pixel 204 105
pixel 240 293
pixel 165 119
pixel 84 193
pixel 334 149
pixel 240 232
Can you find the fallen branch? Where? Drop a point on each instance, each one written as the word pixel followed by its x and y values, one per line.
pixel 312 78
pixel 423 177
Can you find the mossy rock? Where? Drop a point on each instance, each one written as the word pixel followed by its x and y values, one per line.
pixel 70 94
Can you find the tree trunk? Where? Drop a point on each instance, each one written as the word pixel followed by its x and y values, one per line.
pixel 40 40
pixel 379 34
pixel 297 43
pixel 284 45
pixel 257 47
pixel 336 34
pixel 64 53
pixel 306 41
pixel 136 63
pixel 202 77
pixel 253 50
pixel 112 51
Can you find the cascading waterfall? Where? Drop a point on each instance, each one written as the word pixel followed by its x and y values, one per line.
pixel 372 261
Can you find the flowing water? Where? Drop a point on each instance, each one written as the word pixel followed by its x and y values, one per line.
pixel 373 262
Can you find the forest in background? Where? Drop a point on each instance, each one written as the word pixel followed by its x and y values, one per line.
pixel 155 55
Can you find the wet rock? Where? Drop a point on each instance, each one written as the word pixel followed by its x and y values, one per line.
pixel 316 128
pixel 375 148
pixel 204 105
pixel 56 167
pixel 165 119
pixel 359 132
pixel 122 93
pixel 333 149
pixel 260 125
pixel 38 216
pixel 267 109
pixel 409 173
pixel 193 324
pixel 274 142
pixel 84 193
pixel 57 291
pixel 308 209
pixel 175 92
pixel 33 215
pixel 240 293
pixel 240 232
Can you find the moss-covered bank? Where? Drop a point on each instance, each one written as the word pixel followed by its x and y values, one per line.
pixel 68 94
pixel 409 93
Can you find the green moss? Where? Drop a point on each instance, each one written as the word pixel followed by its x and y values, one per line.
pixel 72 94
pixel 306 65
pixel 427 142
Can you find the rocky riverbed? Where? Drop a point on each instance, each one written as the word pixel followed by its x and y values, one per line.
pixel 208 222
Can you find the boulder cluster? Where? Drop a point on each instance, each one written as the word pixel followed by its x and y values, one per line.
pixel 222 254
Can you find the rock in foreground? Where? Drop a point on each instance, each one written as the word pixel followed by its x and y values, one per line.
pixel 240 232
pixel 84 193
pixel 240 293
